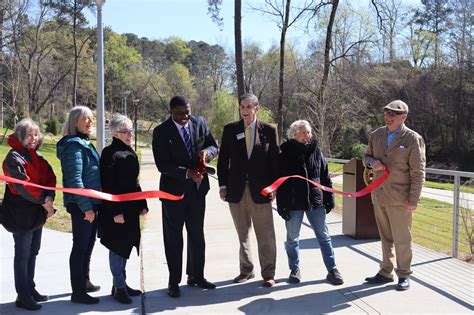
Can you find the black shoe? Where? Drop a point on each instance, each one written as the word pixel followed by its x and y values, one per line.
pixel 403 284
pixel 27 304
pixel 335 277
pixel 130 291
pixel 378 279
pixel 203 283
pixel 90 287
pixel 121 295
pixel 173 291
pixel 133 292
pixel 38 297
pixel 83 298
pixel 295 276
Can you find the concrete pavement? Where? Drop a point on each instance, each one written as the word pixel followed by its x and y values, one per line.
pixel 440 283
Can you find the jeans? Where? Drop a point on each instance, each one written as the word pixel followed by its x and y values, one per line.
pixel 117 267
pixel 317 219
pixel 83 240
pixel 27 246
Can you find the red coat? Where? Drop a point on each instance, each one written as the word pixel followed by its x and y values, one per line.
pixel 22 205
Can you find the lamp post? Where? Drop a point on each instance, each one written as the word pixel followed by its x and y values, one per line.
pixel 125 95
pixel 135 105
pixel 100 79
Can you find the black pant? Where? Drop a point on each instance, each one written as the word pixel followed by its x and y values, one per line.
pixel 27 246
pixel 189 212
pixel 83 240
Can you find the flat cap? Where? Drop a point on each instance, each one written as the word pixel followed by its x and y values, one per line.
pixel 397 106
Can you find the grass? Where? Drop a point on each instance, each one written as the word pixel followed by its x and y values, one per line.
pixel 432 226
pixel 467 187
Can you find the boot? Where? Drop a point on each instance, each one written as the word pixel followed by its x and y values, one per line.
pixel 89 286
pixel 27 303
pixel 121 295
pixel 130 291
pixel 83 298
pixel 38 297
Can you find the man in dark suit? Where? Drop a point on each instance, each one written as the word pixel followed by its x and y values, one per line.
pixel 179 144
pixel 247 163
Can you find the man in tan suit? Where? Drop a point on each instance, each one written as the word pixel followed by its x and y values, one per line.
pixel 402 151
pixel 247 163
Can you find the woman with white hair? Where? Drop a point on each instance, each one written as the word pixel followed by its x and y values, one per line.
pixel 119 224
pixel 25 208
pixel 80 167
pixel 301 155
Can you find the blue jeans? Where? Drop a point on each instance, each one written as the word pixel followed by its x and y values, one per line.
pixel 27 246
pixel 317 219
pixel 117 267
pixel 83 240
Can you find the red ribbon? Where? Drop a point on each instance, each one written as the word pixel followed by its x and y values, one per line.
pixel 368 189
pixel 98 194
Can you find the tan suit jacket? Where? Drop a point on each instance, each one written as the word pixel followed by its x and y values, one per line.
pixel 405 158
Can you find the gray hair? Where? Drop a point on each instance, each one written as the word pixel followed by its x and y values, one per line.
pixel 118 122
pixel 22 127
pixel 76 113
pixel 249 96
pixel 296 127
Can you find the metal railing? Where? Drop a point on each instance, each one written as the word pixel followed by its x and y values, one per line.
pixel 466 203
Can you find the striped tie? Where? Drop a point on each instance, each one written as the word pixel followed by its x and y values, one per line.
pixel 187 141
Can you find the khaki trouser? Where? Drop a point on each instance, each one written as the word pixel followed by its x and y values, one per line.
pixel 394 225
pixel 244 214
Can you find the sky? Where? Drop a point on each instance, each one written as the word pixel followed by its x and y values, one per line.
pixel 189 20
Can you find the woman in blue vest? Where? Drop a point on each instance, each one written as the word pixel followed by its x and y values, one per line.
pixel 80 167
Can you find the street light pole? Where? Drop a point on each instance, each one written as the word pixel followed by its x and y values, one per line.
pixel 135 105
pixel 100 79
pixel 126 94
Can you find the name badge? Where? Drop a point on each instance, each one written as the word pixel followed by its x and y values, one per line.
pixel 240 136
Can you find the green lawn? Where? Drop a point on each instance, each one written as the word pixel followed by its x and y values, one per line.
pixel 467 187
pixel 433 226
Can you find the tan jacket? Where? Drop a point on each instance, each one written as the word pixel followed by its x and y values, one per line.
pixel 405 158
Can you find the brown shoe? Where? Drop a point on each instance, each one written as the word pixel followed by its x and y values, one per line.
pixel 242 278
pixel 268 282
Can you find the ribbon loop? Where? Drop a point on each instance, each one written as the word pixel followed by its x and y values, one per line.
pixel 366 190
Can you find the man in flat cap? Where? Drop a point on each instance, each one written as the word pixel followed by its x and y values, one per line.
pixel 402 151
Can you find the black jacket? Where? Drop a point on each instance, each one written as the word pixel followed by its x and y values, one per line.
pixel 119 170
pixel 234 168
pixel 307 161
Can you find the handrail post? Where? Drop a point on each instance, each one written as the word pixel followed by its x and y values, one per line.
pixel 457 189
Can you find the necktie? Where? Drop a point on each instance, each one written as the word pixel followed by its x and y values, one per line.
pixel 187 141
pixel 248 141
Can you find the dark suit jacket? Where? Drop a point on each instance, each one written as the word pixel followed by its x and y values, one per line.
pixel 234 168
pixel 172 158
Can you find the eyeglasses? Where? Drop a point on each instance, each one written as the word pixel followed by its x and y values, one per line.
pixel 392 113
pixel 248 107
pixel 126 132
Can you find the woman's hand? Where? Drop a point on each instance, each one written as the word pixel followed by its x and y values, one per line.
pixel 89 216
pixel 119 219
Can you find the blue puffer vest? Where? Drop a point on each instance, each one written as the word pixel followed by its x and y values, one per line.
pixel 80 167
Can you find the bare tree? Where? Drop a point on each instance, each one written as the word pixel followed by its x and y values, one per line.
pixel 281 11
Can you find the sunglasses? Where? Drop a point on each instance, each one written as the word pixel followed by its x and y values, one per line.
pixel 126 132
pixel 392 113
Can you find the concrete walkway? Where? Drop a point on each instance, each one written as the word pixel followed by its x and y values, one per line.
pixel 440 284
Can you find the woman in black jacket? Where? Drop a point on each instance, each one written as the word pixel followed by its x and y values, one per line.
pixel 25 208
pixel 301 155
pixel 119 224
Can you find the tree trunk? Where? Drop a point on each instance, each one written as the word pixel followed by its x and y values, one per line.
pixel 281 80
pixel 238 47
pixel 76 57
pixel 2 65
pixel 327 51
